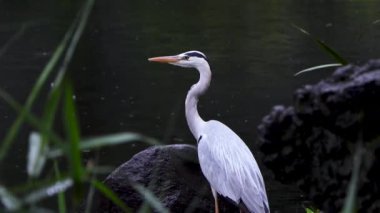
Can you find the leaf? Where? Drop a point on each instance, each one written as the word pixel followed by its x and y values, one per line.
pixel 317 68
pixel 350 200
pixel 90 199
pixel 108 193
pixel 61 196
pixel 107 140
pixel 49 191
pixel 36 155
pixel 116 139
pixel 10 202
pixel 338 58
pixel 150 198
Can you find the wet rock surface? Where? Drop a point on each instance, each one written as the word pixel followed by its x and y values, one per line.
pixel 172 173
pixel 312 143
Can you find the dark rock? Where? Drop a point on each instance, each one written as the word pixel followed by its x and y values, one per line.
pixel 312 143
pixel 172 173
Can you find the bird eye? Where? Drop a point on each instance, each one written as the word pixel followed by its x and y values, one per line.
pixel 186 57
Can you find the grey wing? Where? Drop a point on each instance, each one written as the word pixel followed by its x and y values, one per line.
pixel 214 171
pixel 231 169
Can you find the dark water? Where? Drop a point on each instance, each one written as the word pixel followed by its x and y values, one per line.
pixel 252 47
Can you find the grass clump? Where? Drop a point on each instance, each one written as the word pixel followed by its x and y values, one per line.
pixel 45 145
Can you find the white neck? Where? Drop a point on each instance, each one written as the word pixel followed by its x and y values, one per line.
pixel 194 121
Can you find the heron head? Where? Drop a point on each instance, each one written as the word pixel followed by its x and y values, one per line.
pixel 190 59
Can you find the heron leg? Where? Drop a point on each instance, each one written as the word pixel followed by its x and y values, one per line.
pixel 216 200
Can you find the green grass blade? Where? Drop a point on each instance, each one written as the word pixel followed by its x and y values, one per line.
pixel 312 210
pixel 61 195
pixel 51 107
pixel 49 115
pixel 9 201
pixel 70 118
pixel 72 131
pixel 350 200
pixel 144 208
pixel 323 66
pixel 150 198
pixel 90 199
pixel 309 210
pixel 108 193
pixel 334 54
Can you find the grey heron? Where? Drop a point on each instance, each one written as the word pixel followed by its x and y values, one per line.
pixel 225 160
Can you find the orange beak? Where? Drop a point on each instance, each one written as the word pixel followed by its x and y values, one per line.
pixel 164 59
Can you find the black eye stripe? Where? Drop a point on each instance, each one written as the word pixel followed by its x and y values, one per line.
pixel 195 54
